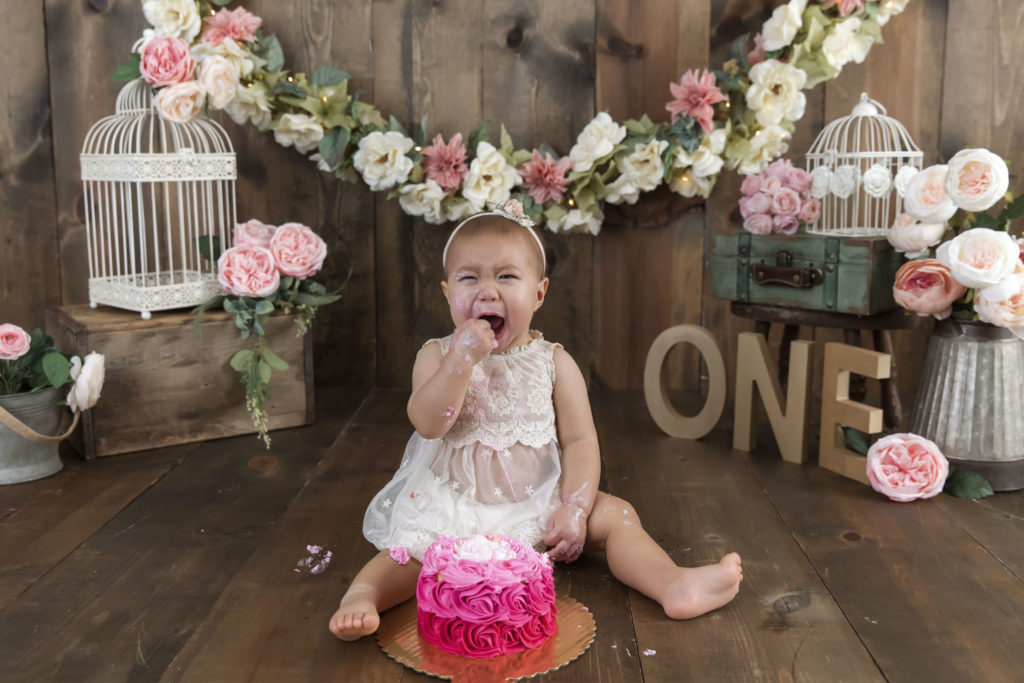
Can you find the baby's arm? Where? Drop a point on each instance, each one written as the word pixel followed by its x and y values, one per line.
pixel 439 382
pixel 581 460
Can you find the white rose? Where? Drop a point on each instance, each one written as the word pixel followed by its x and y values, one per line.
pixel 845 180
pixel 782 27
pixel 877 180
pixel 597 139
pixel 490 178
pixel 926 197
pixel 456 208
pixel 243 60
pixel 250 104
pixel 890 8
pixel 178 18
pixel 776 92
pixel 423 199
pixel 982 258
pixel 88 377
pixel 381 159
pixel 180 102
pixel 910 237
pixel 1008 312
pixel 843 44
pixel 687 184
pixel 576 219
pixel 639 171
pixel 768 144
pixel 706 160
pixel 821 180
pixel 220 79
pixel 976 179
pixel 903 177
pixel 300 130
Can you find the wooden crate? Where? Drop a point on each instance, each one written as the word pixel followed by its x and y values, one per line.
pixel 833 274
pixel 167 385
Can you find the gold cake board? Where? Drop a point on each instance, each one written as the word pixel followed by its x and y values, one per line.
pixel 400 640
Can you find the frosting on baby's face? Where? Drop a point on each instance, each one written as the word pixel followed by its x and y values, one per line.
pixel 494 277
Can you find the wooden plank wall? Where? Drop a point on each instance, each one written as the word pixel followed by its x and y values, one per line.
pixel 544 69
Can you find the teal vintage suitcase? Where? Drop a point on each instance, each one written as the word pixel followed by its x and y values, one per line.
pixel 835 274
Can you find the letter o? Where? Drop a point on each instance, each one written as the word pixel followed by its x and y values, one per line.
pixel 667 417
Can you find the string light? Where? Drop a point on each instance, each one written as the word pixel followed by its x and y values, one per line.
pixel 571 202
pixel 418 148
pixel 323 98
pixel 291 80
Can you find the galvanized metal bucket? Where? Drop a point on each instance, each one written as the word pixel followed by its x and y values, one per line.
pixel 25 459
pixel 971 400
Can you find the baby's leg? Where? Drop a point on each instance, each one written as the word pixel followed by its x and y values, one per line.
pixel 381 583
pixel 639 562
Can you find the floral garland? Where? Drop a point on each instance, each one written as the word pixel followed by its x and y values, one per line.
pixel 739 117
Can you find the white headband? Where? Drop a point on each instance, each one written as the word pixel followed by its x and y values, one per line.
pixel 512 209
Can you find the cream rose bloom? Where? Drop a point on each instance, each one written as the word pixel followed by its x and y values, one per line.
pixel 844 44
pixel 88 377
pixel 877 180
pixel 180 102
pixel 768 144
pixel 782 27
pixel 220 79
pixel 381 159
pixel 926 197
pixel 178 18
pixel 776 92
pixel 640 171
pixel 490 178
pixel 983 259
pixel 456 208
pixel 890 8
pixel 913 238
pixel 976 179
pixel 299 130
pixel 597 139
pixel 243 60
pixel 1008 312
pixel 576 220
pixel 423 199
pixel 250 104
pixel 844 181
pixel 821 180
pixel 695 173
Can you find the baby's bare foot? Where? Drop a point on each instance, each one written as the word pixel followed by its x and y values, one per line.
pixel 354 619
pixel 696 591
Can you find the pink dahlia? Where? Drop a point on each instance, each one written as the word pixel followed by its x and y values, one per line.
pixel 694 96
pixel 237 24
pixel 846 6
pixel 545 178
pixel 446 164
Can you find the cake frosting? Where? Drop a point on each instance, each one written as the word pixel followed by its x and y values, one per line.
pixel 482 596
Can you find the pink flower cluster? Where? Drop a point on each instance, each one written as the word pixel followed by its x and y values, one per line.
pixel 481 606
pixel 263 253
pixel 777 200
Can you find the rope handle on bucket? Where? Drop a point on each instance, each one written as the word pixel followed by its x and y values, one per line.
pixel 24 430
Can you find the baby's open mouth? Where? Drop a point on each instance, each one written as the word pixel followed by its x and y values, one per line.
pixel 496 322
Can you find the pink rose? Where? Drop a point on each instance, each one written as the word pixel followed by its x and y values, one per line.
pixel 913 238
pixel 14 342
pixel 771 184
pixel 926 287
pixel 255 233
pixel 786 202
pixel 906 467
pixel 785 225
pixel 810 211
pixel 759 224
pixel 298 250
pixel 399 555
pixel 751 185
pixel 760 202
pixel 180 102
pixel 248 271
pixel 797 179
pixel 166 61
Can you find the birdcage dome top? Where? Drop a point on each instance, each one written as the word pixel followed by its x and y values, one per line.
pixel 867 132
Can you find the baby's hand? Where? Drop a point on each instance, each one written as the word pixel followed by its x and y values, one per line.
pixel 473 341
pixel 567 531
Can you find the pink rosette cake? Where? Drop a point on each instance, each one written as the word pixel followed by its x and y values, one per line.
pixel 483 596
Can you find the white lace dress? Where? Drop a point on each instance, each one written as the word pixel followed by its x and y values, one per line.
pixel 497 469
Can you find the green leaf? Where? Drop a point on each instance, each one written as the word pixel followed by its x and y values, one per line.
pixel 478 135
pixel 273 360
pixel 305 299
pixel 129 70
pixel 326 75
pixel 983 220
pixel 272 53
pixel 856 440
pixel 965 484
pixel 396 125
pixel 1014 210
pixel 263 307
pixel 242 359
pixel 264 372
pixel 56 367
pixel 739 52
pixel 333 145
pixel 689 132
pixel 287 88
pixel 421 132
pixel 506 142
pixel 221 3
pixel 209 247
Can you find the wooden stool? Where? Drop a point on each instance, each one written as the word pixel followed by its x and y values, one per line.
pixel 764 315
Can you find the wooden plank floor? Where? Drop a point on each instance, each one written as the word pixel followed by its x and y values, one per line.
pixel 177 564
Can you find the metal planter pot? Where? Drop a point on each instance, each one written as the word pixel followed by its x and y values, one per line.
pixel 970 401
pixel 22 459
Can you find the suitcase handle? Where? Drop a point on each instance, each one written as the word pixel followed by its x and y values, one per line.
pixel 787 276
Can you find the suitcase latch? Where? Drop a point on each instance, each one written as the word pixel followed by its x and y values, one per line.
pixel 783 273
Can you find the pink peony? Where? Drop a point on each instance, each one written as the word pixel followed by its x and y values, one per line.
pixel 14 342
pixel 694 96
pixel 786 202
pixel 298 250
pixel 906 467
pixel 810 211
pixel 446 164
pixel 759 224
pixel 756 56
pixel 846 6
pixel 254 232
pixel 545 178
pixel 248 271
pixel 926 287
pixel 237 24
pixel 166 61
pixel 785 224
pixel 399 555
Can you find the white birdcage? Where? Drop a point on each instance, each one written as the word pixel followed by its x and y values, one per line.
pixel 158 194
pixel 856 163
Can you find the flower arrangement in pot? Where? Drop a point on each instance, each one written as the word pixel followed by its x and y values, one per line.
pixel 33 375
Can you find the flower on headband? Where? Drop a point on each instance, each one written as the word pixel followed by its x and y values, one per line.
pixel 512 209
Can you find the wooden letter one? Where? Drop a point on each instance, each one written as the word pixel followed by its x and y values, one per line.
pixel 667 417
pixel 837 410
pixel 789 426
